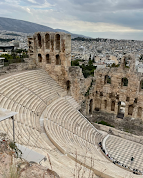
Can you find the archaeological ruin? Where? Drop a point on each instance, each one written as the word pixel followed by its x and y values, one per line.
pixel 118 90
pixel 53 104
pixel 114 90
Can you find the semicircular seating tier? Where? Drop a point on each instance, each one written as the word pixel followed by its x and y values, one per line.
pixel 29 93
pixel 70 141
pixel 74 136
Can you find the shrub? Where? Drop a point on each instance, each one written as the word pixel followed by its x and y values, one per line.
pixel 75 62
pixel 13 146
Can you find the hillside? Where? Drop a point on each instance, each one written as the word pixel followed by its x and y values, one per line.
pixel 27 27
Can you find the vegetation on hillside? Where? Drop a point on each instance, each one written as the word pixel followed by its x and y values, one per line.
pixel 89 39
pixel 114 65
pixel 6 40
pixel 87 93
pixel 16 56
pixel 87 70
pixel 12 34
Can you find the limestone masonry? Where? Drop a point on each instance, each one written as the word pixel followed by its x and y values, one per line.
pixel 117 90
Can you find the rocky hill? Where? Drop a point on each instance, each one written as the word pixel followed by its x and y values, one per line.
pixel 27 27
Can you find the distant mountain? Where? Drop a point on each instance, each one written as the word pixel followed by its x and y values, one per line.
pixel 27 27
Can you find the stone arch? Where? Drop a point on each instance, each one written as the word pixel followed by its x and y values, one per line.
pixel 39 58
pixel 107 79
pixel 105 104
pixel 139 112
pixel 98 104
pixel 48 59
pixel 39 40
pixel 57 40
pixel 91 106
pixel 58 60
pixel 121 109
pixel 124 82
pixel 112 105
pixel 130 110
pixel 52 43
pixel 68 84
pixel 47 40
pixel 35 42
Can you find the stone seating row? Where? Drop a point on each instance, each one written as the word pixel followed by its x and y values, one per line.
pixel 68 140
pixel 24 114
pixel 66 116
pixel 32 139
pixel 39 77
pixel 71 132
pixel 75 146
pixel 41 91
pixel 17 97
pixel 73 102
pixel 29 104
pixel 61 123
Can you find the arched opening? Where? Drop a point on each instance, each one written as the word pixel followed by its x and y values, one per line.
pixel 140 112
pixel 105 104
pixel 101 94
pixel 47 41
pixel 98 104
pixel 39 58
pixel 130 110
pixel 107 79
pixel 39 40
pixel 124 82
pixel 30 51
pixel 68 84
pixel 121 109
pixel 30 43
pixel 141 85
pixel 136 100
pixel 57 39
pixel 112 105
pixel 91 106
pixel 127 99
pixel 58 61
pixel 48 60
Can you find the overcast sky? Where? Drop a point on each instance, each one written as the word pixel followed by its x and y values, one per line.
pixel 120 19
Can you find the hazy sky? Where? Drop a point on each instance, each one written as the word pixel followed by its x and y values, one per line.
pixel 121 19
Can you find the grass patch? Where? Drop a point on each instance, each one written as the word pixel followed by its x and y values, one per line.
pixel 105 123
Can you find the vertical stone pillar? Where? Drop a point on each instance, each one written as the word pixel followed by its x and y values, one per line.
pixel 93 102
pixel 142 115
pixel 116 107
pixel 87 107
pixel 109 105
pixel 126 110
pixel 102 104
pixel 135 111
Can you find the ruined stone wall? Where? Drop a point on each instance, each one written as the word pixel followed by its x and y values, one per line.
pixel 17 67
pixel 119 133
pixel 52 52
pixel 107 91
pixel 118 85
pixel 79 84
